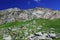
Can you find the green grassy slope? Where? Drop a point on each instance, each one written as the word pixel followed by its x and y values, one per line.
pixel 46 23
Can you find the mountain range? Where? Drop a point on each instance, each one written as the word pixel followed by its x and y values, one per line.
pixel 15 14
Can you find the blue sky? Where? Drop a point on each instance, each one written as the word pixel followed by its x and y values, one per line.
pixel 27 4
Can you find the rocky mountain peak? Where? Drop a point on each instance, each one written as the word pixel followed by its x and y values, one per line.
pixel 12 14
pixel 13 9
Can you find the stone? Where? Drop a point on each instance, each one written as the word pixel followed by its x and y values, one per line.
pixel 52 28
pixel 39 33
pixel 52 35
pixel 30 35
pixel 58 35
pixel 40 26
pixel 14 29
pixel 7 37
pixel 26 33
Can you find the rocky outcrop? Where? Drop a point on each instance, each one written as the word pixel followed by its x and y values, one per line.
pixel 13 14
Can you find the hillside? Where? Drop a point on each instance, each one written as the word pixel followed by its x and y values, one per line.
pixel 45 23
pixel 22 23
pixel 13 14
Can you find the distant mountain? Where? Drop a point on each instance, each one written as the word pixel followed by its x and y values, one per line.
pixel 13 14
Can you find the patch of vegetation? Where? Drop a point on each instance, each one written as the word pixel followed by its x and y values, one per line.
pixel 46 23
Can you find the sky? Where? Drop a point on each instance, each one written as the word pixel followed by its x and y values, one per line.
pixel 27 4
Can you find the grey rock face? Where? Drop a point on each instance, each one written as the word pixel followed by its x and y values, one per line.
pixel 13 14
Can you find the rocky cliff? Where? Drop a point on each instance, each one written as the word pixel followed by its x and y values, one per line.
pixel 13 14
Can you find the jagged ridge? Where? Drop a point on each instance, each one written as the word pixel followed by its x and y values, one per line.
pixel 14 14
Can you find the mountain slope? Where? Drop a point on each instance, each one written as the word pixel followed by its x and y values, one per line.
pixel 13 14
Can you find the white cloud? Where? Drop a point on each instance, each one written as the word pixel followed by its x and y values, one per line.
pixel 37 0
